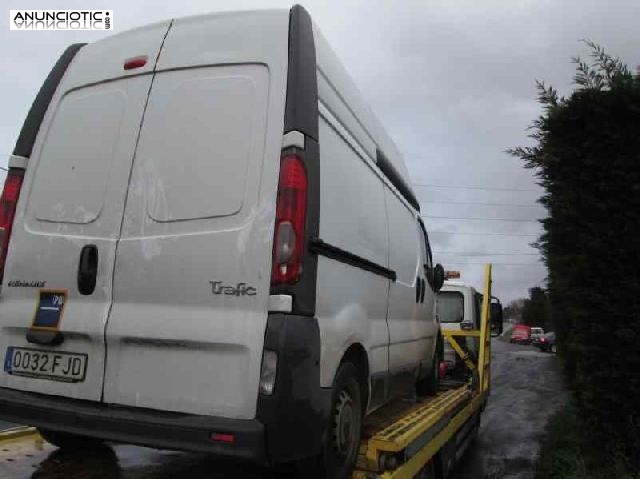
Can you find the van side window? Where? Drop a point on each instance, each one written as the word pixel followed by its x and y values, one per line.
pixel 426 252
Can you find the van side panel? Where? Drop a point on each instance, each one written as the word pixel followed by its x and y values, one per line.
pixel 411 327
pixel 193 266
pixel 352 302
pixel 360 132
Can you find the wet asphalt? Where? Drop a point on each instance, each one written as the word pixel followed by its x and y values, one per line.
pixel 526 389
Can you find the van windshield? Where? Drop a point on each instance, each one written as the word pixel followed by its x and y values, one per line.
pixel 450 307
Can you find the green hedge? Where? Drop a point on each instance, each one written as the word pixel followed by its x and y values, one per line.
pixel 564 448
pixel 587 157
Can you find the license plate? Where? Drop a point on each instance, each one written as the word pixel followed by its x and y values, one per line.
pixel 54 365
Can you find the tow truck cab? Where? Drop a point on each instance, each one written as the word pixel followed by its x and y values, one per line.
pixel 458 308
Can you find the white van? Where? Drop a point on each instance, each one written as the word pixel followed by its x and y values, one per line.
pixel 220 245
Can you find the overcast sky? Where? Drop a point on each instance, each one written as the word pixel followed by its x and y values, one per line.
pixel 452 81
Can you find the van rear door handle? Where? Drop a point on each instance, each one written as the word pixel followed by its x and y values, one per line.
pixel 88 269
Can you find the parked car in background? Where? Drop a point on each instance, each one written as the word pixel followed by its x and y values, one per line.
pixel 521 334
pixel 536 334
pixel 547 342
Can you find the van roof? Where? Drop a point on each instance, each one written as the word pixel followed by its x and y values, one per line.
pixel 361 121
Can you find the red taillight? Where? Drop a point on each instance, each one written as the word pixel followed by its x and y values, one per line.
pixel 291 210
pixel 221 437
pixel 8 202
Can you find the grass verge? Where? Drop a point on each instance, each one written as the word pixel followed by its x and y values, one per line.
pixel 559 452
pixel 565 453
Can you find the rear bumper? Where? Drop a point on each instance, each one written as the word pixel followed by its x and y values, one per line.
pixel 163 430
pixel 290 424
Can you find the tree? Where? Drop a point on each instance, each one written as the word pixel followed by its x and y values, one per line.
pixel 514 309
pixel 536 310
pixel 587 157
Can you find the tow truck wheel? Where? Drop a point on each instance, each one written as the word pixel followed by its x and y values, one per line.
pixel 67 441
pixel 343 436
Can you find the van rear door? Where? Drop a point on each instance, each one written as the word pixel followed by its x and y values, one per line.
pixel 192 275
pixel 69 218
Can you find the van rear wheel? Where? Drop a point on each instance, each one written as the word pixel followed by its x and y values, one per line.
pixel 65 440
pixel 342 439
pixel 345 426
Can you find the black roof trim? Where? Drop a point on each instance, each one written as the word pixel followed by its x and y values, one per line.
pixel 396 180
pixel 301 111
pixel 39 107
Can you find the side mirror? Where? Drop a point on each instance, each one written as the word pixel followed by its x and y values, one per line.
pixel 496 318
pixel 438 277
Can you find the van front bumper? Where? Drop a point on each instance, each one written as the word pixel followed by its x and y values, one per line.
pixel 146 427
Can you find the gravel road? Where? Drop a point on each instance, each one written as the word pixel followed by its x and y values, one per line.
pixel 526 388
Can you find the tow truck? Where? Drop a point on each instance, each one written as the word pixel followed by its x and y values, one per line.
pixel 411 437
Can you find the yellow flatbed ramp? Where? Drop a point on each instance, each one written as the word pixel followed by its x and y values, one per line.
pixel 411 437
pixel 405 446
pixel 425 437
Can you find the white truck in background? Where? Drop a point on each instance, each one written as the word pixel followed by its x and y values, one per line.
pixel 459 307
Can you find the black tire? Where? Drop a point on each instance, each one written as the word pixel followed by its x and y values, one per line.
pixel 67 441
pixel 345 427
pixel 429 385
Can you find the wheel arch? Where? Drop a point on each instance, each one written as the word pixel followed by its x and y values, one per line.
pixel 357 355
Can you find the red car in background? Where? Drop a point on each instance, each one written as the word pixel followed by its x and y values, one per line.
pixel 521 334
